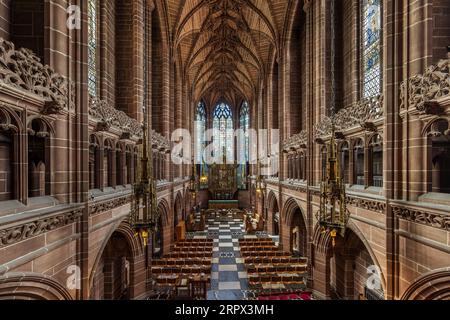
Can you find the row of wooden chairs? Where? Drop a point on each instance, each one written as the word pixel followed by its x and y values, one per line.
pixel 265 253
pixel 276 279
pixel 255 240
pixel 256 244
pixel 195 241
pixel 196 249
pixel 258 248
pixel 189 270
pixel 169 280
pixel 188 254
pixel 275 260
pixel 281 268
pixel 181 262
pixel 187 246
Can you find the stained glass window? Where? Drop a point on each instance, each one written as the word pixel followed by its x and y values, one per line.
pixel 244 125
pixel 92 47
pixel 223 131
pixel 371 28
pixel 200 141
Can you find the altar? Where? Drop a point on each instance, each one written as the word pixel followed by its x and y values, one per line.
pixel 223 204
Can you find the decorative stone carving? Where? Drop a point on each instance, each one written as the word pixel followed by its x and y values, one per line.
pixel 99 207
pixel 23 70
pixel 297 141
pixel 362 113
pixel 437 220
pixel 367 204
pixel 28 230
pixel 420 90
pixel 107 117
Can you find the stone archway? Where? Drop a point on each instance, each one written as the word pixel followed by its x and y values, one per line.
pixel 30 286
pixel 119 270
pixel 295 234
pixel 273 215
pixel 430 286
pixel 162 237
pixel 349 270
pixel 177 212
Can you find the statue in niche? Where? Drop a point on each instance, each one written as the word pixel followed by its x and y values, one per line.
pixel 295 239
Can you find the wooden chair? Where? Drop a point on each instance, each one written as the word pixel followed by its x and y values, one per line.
pixel 198 289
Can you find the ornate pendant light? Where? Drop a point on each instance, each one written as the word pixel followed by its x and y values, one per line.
pixel 333 214
pixel 144 208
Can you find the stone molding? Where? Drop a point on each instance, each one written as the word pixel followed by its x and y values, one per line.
pixel 22 69
pixel 33 228
pixel 110 204
pixel 422 216
pixel 419 91
pixel 368 204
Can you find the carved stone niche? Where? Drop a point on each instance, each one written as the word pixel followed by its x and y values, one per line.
pixel 103 126
pixel 125 136
pixel 320 141
pixel 433 108
pixel 339 135
pixel 368 126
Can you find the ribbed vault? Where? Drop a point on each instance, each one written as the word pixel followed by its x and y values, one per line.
pixel 224 46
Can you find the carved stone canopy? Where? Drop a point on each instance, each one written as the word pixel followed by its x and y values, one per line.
pixel 107 118
pixel 421 92
pixel 22 69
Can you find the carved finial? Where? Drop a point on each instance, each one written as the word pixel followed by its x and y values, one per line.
pixel 306 5
pixel 151 5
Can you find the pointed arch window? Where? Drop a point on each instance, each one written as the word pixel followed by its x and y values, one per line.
pixel 200 139
pixel 371 48
pixel 223 130
pixel 244 125
pixel 92 47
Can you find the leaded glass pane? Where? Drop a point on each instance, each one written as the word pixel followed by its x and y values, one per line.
pixel 244 124
pixel 200 129
pixel 371 24
pixel 92 47
pixel 223 127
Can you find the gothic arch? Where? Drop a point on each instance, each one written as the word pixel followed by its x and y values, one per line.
pixel 294 221
pixel 10 119
pixel 273 207
pixel 178 208
pixel 322 243
pixel 44 124
pixel 164 211
pixel 430 286
pixel 32 286
pixel 289 208
pixel 127 232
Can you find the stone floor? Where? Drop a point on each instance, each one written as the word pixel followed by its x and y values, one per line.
pixel 228 275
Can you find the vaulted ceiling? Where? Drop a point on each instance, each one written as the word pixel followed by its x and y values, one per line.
pixel 225 46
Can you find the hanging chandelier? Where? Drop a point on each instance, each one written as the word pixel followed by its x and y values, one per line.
pixel 333 214
pixel 260 187
pixel 144 207
pixel 193 182
pixel 144 210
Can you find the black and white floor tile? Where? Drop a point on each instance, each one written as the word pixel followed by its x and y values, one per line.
pixel 228 276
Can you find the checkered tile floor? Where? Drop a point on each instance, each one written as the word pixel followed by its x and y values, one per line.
pixel 228 276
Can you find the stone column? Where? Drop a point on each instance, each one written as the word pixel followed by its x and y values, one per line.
pixel 309 123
